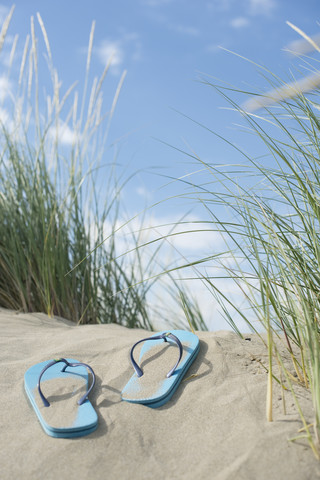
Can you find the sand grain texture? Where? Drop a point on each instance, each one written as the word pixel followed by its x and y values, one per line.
pixel 213 428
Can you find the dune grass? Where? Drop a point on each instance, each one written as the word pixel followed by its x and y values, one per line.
pixel 60 199
pixel 43 236
pixel 68 247
pixel 272 232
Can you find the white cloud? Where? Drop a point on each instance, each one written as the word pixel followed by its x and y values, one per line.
pixel 162 298
pixel 286 91
pixel 179 240
pixel 4 117
pixel 239 22
pixel 188 238
pixel 302 46
pixel 111 51
pixel 66 136
pixel 144 193
pixel 5 88
pixel 117 52
pixel 261 7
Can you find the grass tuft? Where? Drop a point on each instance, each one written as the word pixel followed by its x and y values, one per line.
pixel 271 228
pixel 60 200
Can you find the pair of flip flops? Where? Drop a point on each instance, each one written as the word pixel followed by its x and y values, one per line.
pixel 158 373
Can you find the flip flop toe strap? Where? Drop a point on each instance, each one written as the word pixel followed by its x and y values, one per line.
pixel 67 364
pixel 163 336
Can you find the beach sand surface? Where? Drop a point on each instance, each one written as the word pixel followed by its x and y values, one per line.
pixel 214 427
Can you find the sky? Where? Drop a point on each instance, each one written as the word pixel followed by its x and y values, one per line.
pixel 167 48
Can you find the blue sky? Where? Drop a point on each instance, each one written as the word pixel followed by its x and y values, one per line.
pixel 167 47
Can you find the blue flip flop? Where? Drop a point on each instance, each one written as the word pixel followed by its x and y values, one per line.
pixel 64 417
pixel 161 367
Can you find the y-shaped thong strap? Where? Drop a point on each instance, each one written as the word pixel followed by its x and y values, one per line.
pixel 163 336
pixel 67 364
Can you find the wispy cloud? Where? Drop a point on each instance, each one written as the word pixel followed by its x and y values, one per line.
pixel 284 92
pixel 248 7
pixel 185 238
pixel 184 29
pixel 177 248
pixel 110 51
pixel 239 22
pixel 126 48
pixel 305 44
pixel 66 136
pixel 5 94
pixel 144 193
pixel 213 48
pixel 5 118
pixel 5 88
pixel 174 26
pixel 261 7
pixel 302 46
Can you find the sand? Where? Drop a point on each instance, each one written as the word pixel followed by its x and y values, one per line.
pixel 213 428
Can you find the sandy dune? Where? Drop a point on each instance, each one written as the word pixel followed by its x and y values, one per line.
pixel 213 428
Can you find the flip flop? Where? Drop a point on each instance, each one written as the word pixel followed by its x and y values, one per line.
pixel 161 367
pixel 65 416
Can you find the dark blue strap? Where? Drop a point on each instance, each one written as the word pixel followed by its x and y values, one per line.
pixel 164 337
pixel 67 364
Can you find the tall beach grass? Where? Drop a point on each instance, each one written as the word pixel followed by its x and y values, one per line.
pixel 60 195
pixel 271 237
pixel 68 246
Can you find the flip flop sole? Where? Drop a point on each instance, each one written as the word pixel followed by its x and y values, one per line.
pixel 133 392
pixel 84 421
